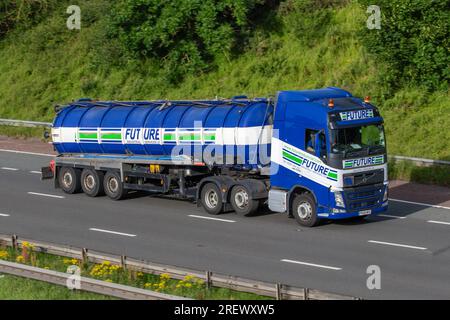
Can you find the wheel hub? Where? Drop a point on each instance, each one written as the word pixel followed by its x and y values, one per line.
pixel 113 185
pixel 241 199
pixel 67 180
pixel 304 210
pixel 211 199
pixel 89 182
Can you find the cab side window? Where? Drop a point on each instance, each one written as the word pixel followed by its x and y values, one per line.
pixel 310 140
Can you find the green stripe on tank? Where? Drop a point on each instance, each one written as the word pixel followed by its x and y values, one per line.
pixel 209 136
pixel 88 135
pixel 170 137
pixel 189 137
pixel 111 136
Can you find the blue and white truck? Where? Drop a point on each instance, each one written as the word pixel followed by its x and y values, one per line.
pixel 313 154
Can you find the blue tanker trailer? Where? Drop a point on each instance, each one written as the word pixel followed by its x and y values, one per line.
pixel 314 154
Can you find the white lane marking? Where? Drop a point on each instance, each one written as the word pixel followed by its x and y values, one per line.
pixel 438 222
pixel 9 169
pixel 209 218
pixel 46 195
pixel 25 152
pixel 4 215
pixel 397 245
pixel 420 204
pixel 311 264
pixel 389 216
pixel 37 172
pixel 113 232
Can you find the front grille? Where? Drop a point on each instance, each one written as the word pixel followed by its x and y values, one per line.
pixel 364 178
pixel 364 197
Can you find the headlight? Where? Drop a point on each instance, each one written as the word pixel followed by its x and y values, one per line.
pixel 385 196
pixel 339 200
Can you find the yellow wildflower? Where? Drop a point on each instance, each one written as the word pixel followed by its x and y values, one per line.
pixel 26 244
pixel 188 278
pixel 165 276
pixel 20 259
pixel 4 254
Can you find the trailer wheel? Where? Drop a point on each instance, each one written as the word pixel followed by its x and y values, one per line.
pixel 92 182
pixel 242 202
pixel 304 210
pixel 211 199
pixel 113 186
pixel 69 180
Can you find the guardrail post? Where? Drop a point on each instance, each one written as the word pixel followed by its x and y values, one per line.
pixel 305 294
pixel 208 279
pixel 14 241
pixel 123 262
pixel 278 294
pixel 84 255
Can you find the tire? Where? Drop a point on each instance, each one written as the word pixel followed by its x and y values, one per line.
pixel 113 186
pixel 304 210
pixel 69 180
pixel 92 182
pixel 242 202
pixel 211 199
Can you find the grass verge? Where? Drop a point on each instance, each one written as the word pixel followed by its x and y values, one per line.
pixel 190 286
pixel 21 132
pixel 17 288
pixel 405 170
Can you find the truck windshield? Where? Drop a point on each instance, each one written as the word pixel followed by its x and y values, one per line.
pixel 355 140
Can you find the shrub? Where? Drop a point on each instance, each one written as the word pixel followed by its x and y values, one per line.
pixel 184 34
pixel 23 12
pixel 414 40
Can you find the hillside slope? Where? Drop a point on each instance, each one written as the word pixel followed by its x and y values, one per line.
pixel 48 64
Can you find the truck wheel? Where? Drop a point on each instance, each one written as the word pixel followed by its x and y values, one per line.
pixel 304 210
pixel 242 201
pixel 69 180
pixel 211 199
pixel 113 186
pixel 92 182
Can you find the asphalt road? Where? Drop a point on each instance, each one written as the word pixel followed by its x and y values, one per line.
pixel 412 248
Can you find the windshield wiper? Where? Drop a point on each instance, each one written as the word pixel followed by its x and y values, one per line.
pixel 375 149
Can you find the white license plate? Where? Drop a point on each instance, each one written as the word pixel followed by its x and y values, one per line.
pixel 365 212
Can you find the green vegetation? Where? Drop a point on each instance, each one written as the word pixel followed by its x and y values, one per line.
pixel 16 288
pixel 270 46
pixel 190 286
pixel 405 170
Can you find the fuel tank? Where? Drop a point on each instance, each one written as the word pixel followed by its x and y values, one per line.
pixel 233 129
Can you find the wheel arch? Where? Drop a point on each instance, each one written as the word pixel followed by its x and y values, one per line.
pixel 298 189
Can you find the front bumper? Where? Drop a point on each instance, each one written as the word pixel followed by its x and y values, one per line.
pixel 346 215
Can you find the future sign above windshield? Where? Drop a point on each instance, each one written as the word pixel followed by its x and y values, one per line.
pixel 356 115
